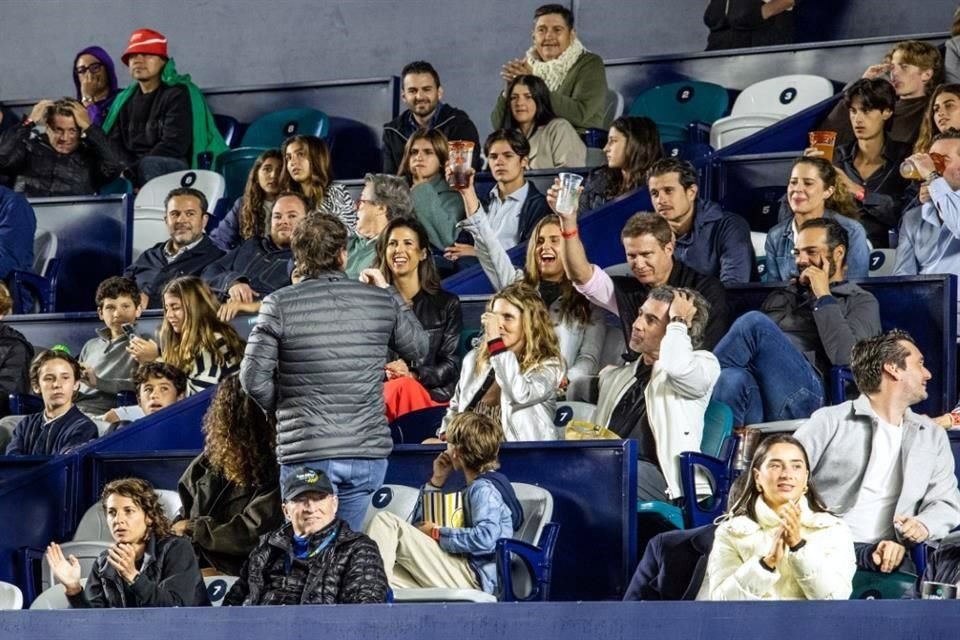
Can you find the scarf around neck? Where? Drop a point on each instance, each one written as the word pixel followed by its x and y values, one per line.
pixel 555 71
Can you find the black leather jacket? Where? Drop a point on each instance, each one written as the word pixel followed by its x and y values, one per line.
pixel 440 315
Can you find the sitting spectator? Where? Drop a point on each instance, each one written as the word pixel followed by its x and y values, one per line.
pixel 60 426
pixel 96 81
pixel 778 540
pixel 553 141
pixel 668 385
pixel 422 92
pixel 16 352
pixel 436 204
pixel 942 113
pixel 673 566
pixel 633 145
pixel 929 239
pixel 815 190
pixel 106 367
pixel 737 24
pixel 72 158
pixel 186 253
pixel 708 239
pixel 229 492
pixel 259 265
pixel 145 567
pixel 580 325
pixel 576 77
pixel 250 215
pixel 914 69
pixel 315 359
pixel 775 362
pixel 513 376
pixel 428 555
pixel 384 198
pixel 159 385
pixel 870 164
pixel 315 558
pixel 307 170
pixel 648 243
pixel 192 337
pixel 18 224
pixel 515 205
pixel 404 262
pixel 888 471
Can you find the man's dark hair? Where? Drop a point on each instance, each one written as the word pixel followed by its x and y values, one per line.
pixel 869 356
pixel 698 325
pixel 187 191
pixel 645 223
pixel 559 9
pixel 874 94
pixel 46 356
pixel 161 370
pixel 116 286
pixel 513 137
pixel 62 107
pixel 420 66
pixel 317 244
pixel 947 134
pixel 836 235
pixel 684 170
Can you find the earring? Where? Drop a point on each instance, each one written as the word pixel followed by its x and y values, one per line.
pixel 759 489
pixel 805 490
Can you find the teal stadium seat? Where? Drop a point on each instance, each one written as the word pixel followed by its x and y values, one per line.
pixel 675 106
pixel 267 132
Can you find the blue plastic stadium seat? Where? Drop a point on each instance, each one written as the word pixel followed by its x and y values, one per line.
pixel 680 107
pixel 227 125
pixel 417 426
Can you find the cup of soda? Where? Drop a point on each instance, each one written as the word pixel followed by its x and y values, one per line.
pixel 461 159
pixel 569 192
pixel 909 170
pixel 825 142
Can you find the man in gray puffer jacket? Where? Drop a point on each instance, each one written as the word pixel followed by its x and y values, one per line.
pixel 316 358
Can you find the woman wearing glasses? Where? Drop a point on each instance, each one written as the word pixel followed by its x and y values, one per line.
pixel 96 82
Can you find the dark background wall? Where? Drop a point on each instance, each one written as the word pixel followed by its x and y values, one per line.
pixel 242 42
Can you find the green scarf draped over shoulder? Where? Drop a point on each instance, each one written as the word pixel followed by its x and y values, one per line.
pixel 206 136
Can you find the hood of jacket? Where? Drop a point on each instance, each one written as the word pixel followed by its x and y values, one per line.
pixel 503 485
pixel 105 59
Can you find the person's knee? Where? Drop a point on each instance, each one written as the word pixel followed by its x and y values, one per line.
pixel 732 381
pixel 753 322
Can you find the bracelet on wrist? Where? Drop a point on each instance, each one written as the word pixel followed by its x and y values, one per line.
pixel 798 546
pixel 571 233
pixel 763 563
pixel 435 534
pixel 933 175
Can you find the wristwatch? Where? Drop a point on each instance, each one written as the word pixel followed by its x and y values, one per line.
pixel 933 175
pixel 679 319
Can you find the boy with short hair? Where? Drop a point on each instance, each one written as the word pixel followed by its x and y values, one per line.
pixel 428 555
pixel 106 366
pixel 60 426
pixel 159 385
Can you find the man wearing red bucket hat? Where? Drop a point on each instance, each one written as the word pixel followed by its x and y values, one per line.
pixel 151 121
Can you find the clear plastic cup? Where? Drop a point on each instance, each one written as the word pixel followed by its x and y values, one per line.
pixel 461 160
pixel 569 195
pixel 824 141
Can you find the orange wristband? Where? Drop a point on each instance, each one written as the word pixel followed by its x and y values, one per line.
pixel 435 534
pixel 570 234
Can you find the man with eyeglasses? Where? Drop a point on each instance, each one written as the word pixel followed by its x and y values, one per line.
pixel 774 362
pixel 72 157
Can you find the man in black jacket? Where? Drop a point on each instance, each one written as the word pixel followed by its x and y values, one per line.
pixel 16 352
pixel 186 253
pixel 154 127
pixel 422 93
pixel 315 558
pixel 73 157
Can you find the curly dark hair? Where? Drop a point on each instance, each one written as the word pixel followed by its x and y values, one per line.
pixel 252 220
pixel 240 440
pixel 144 496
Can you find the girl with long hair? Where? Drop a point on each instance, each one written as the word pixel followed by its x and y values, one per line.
pixel 230 492
pixel 553 141
pixel 438 205
pixel 192 337
pixel 633 144
pixel 777 540
pixel 147 566
pixel 513 375
pixel 307 169
pixel 579 325
pixel 250 214
pixel 815 190
pixel 404 261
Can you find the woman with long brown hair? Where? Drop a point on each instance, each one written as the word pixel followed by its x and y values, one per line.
pixel 230 492
pixel 307 169
pixel 438 205
pixel 633 144
pixel 146 566
pixel 250 214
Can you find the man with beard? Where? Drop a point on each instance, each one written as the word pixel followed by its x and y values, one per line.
pixel 775 361
pixel 422 93
pixel 885 470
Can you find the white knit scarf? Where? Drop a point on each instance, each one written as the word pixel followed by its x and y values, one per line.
pixel 553 72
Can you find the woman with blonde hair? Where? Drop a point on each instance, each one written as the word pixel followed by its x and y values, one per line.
pixel 513 375
pixel 192 337
pixel 438 205
pixel 146 566
pixel 307 170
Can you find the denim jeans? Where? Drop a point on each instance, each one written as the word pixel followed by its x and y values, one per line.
pixel 151 167
pixel 763 377
pixel 354 480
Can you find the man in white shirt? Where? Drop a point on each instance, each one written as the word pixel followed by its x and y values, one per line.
pixel 887 471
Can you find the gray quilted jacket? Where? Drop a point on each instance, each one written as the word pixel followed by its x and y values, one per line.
pixel 316 356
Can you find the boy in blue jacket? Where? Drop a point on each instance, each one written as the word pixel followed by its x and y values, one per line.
pixel 428 555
